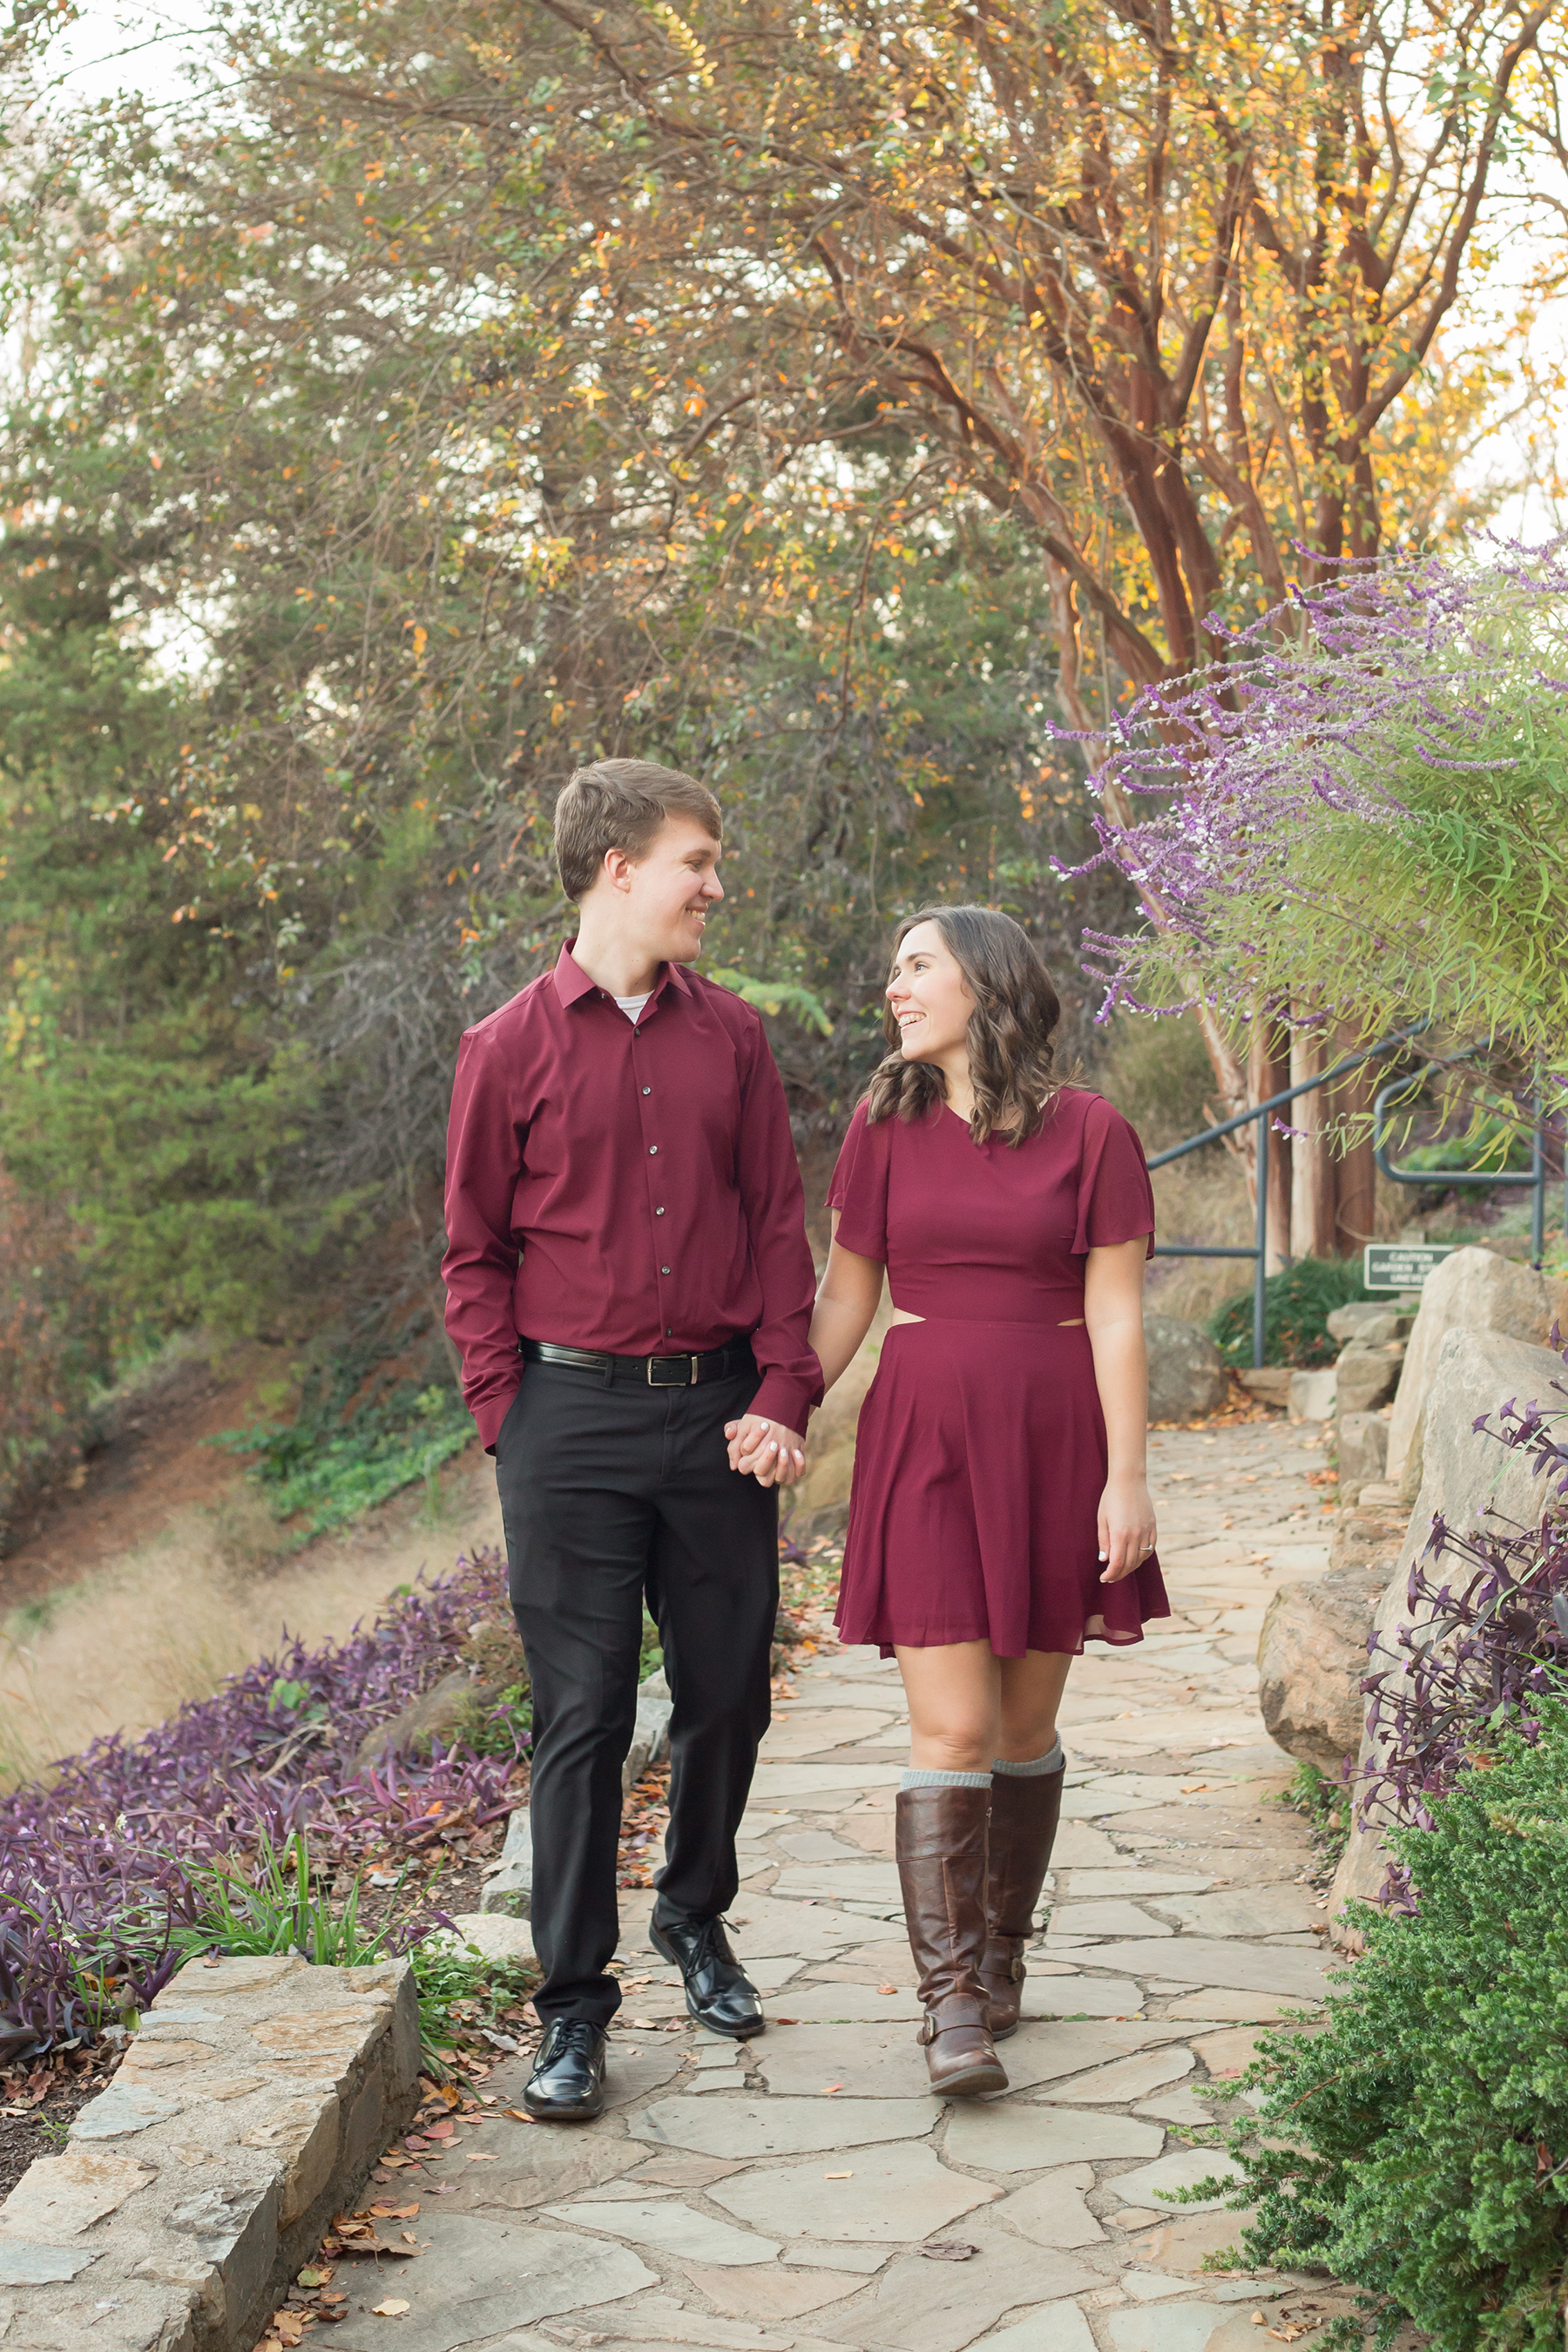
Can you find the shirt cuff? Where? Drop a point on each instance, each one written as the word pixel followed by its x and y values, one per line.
pixel 489 1414
pixel 782 1399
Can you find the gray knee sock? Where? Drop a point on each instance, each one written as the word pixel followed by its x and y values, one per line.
pixel 1051 1761
pixel 916 1778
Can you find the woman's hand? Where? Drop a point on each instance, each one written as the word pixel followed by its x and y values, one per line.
pixel 765 1451
pixel 1126 1527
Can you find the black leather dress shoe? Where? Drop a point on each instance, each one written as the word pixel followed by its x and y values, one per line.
pixel 717 1993
pixel 567 2085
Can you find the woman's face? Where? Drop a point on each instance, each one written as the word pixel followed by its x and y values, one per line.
pixel 930 997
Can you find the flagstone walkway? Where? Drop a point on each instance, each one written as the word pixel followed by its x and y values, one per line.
pixel 803 2192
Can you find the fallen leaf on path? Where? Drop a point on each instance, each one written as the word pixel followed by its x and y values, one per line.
pixel 887 1988
pixel 839 2176
pixel 392 2308
pixel 948 2249
pixel 828 2090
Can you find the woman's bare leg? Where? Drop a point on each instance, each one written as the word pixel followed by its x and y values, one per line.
pixel 967 1706
pixel 1032 1689
pixel 955 1705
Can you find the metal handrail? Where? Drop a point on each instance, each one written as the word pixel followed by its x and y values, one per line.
pixel 1260 1113
pixel 1445 1176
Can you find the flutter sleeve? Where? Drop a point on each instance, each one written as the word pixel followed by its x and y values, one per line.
pixel 1115 1198
pixel 859 1188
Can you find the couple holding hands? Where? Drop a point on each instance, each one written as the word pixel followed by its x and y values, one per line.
pixel 643 1339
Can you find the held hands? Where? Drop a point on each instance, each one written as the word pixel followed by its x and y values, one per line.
pixel 1126 1527
pixel 765 1450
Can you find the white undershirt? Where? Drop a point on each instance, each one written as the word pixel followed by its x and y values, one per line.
pixel 632 1005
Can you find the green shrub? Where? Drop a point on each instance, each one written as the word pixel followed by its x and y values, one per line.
pixel 1297 1304
pixel 359 1433
pixel 1418 2145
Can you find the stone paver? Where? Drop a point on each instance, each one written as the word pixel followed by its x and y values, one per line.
pixel 777 2197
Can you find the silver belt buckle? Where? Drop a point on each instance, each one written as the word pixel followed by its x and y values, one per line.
pixel 686 1379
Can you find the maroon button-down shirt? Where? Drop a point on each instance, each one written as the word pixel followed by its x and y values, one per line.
pixel 633 1190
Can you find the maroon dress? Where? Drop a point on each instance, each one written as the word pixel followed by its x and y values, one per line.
pixel 981 1456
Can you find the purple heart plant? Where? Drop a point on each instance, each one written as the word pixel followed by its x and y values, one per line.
pixel 1483 1639
pixel 95 1862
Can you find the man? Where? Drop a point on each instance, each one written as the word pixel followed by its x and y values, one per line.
pixel 630 1285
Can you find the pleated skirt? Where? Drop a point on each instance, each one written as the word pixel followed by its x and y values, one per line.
pixel 980 1461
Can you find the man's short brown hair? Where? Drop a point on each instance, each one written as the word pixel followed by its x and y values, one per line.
pixel 621 805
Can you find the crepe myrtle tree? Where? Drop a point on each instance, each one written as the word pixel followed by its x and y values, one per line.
pixel 1355 818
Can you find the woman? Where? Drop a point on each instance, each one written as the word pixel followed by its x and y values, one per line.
pixel 1000 1514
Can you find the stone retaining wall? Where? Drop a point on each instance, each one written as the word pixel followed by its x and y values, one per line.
pixel 251 2106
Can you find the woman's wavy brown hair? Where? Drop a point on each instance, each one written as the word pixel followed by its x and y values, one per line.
pixel 1011 1056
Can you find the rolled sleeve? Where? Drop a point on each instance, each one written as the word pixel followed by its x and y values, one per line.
pixel 774 1204
pixel 484 1154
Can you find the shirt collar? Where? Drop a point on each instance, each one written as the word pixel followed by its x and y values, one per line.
pixel 572 982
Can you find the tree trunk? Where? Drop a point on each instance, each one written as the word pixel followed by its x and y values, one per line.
pixel 1269 1072
pixel 1356 1205
pixel 1312 1165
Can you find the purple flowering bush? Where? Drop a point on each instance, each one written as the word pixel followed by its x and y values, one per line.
pixel 96 1865
pixel 1415 2142
pixel 1360 805
pixel 1484 1640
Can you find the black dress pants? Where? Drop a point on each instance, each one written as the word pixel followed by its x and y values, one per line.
pixel 611 1489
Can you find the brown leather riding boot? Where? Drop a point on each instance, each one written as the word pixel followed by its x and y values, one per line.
pixel 1024 1809
pixel 940 1847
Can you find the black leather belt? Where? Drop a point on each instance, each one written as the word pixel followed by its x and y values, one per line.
pixel 653 1371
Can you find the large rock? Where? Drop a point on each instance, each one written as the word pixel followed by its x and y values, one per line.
pixel 1370 1322
pixel 1366 1377
pixel 1467 1474
pixel 1186 1370
pixel 1473 1290
pixel 1372 1528
pixel 1311 1655
pixel 1314 1395
pixel 280 2085
pixel 1363 1451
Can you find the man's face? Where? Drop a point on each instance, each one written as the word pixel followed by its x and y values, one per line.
pixel 669 890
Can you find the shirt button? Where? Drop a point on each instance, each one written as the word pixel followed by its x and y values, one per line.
pixel 664 1269
pixel 658 1212
pixel 648 1090
pixel 653 1152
